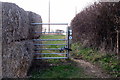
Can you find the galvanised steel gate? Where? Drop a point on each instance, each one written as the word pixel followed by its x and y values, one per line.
pixel 66 47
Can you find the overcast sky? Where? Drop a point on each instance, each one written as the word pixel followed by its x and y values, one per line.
pixel 62 11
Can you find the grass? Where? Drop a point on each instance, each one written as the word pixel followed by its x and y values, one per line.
pixel 61 68
pixel 106 61
pixel 52 46
pixel 53 42
pixel 54 37
pixel 61 71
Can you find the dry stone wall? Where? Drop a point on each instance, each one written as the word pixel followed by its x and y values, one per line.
pixel 17 45
pixel 0 40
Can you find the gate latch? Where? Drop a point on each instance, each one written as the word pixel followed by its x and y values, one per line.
pixel 64 48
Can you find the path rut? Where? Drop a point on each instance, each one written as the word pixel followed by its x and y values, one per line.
pixel 91 69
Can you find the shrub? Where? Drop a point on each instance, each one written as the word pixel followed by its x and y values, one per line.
pixel 96 26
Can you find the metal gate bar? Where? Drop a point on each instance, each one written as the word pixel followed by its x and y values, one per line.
pixel 49 23
pixel 47 44
pixel 52 58
pixel 50 32
pixel 48 49
pixel 67 45
pixel 49 53
pixel 49 39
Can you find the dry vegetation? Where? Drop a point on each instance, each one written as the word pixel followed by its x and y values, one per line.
pixel 96 26
pixel 96 30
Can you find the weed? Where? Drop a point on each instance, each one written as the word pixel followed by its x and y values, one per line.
pixel 106 61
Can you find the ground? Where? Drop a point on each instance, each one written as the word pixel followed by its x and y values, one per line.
pixel 91 69
pixel 62 68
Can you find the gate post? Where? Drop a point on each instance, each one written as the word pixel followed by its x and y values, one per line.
pixel 69 37
pixel 67 55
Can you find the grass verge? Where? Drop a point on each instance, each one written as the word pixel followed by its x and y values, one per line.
pixel 105 60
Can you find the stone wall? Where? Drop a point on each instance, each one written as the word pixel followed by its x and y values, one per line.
pixel 17 45
pixel 0 40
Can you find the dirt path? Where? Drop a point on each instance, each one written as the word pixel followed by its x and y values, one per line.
pixel 91 69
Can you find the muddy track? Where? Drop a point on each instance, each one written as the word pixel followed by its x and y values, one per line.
pixel 91 69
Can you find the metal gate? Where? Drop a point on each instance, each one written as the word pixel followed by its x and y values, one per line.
pixel 66 47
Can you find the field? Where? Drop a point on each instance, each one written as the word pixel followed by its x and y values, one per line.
pixel 53 46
